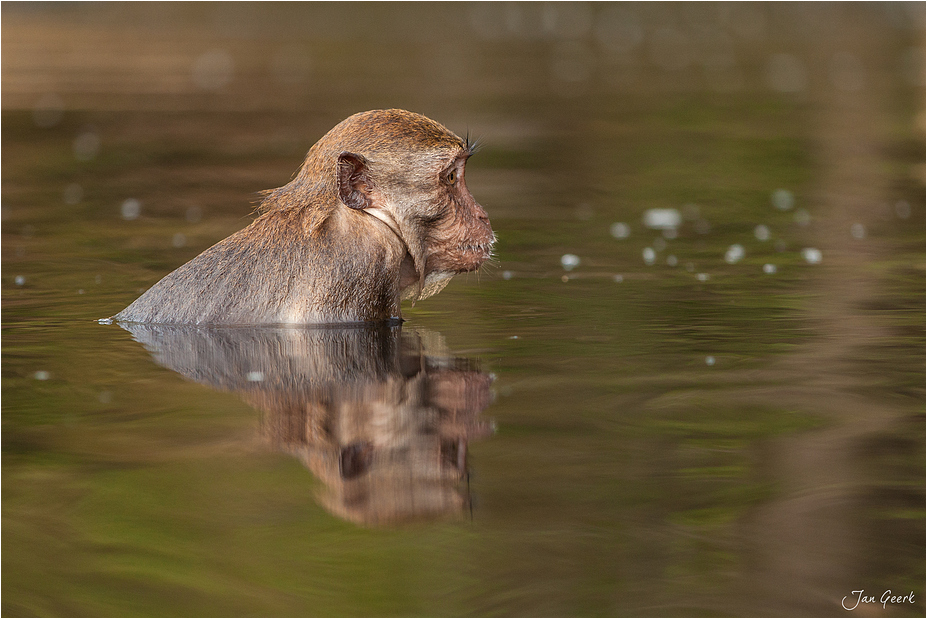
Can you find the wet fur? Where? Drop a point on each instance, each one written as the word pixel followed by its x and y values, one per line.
pixel 368 220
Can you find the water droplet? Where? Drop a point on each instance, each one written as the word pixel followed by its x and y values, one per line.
pixel 20 280
pixel 769 269
pixel 649 255
pixel 569 261
pixel 86 145
pixel 131 209
pixel 783 199
pixel 709 360
pixel 702 277
pixel 620 230
pixel 858 231
pixel 507 275
pixel 812 255
pixel 660 218
pixel 734 254
pixel 105 321
pixel 618 278
pixel 41 375
pixel 761 233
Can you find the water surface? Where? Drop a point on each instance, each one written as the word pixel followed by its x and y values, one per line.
pixel 691 382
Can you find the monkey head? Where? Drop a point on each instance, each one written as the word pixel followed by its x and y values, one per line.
pixel 409 172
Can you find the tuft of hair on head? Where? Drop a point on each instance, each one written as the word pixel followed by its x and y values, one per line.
pixel 471 145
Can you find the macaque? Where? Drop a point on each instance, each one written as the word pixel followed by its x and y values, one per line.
pixel 379 212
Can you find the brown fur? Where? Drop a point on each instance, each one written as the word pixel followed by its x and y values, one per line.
pixel 378 212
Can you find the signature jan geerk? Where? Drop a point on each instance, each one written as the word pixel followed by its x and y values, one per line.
pixel 850 602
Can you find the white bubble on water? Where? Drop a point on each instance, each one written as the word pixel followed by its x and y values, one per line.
pixel 812 255
pixel 20 280
pixel 618 278
pixel 769 269
pixel 569 261
pixel 179 240
pixel 734 254
pixel 662 218
pixel 702 277
pixel 86 145
pixel 649 255
pixel 858 231
pixel 620 230
pixel 41 375
pixel 761 233
pixel 783 199
pixel 130 209
pixel 709 360
pixel 507 275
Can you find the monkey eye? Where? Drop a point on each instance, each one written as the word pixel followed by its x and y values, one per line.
pixel 451 177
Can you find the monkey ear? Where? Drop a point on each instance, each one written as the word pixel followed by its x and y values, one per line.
pixel 353 180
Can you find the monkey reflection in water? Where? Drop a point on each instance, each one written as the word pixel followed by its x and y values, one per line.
pixel 381 416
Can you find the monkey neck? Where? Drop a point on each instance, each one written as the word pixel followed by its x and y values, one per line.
pixel 388 220
pixel 409 271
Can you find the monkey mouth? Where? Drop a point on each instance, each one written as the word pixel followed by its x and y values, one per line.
pixel 473 255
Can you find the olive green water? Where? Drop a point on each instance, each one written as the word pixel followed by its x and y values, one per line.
pixel 724 416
